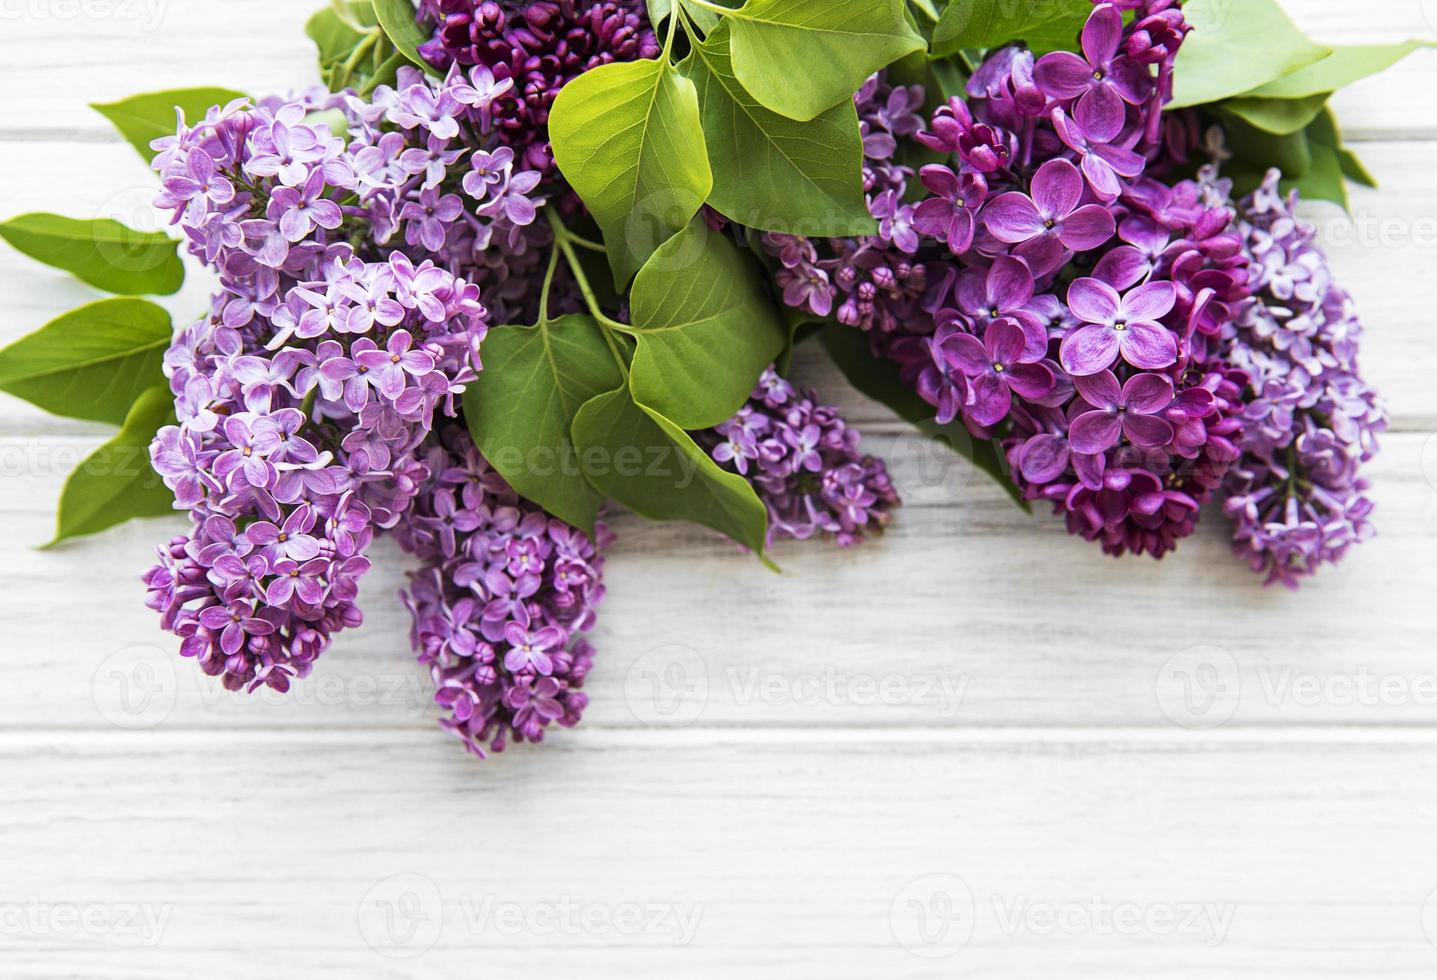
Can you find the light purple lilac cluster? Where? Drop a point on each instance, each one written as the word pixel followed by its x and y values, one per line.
pixel 1297 496
pixel 303 398
pixel 804 461
pixel 536 47
pixel 1045 288
pixel 505 592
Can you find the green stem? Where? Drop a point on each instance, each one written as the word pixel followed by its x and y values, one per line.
pixel 585 243
pixel 548 285
pixel 391 63
pixel 673 26
pixel 355 56
pixel 563 242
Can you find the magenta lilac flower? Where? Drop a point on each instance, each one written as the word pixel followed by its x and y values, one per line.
pixel 533 49
pixel 1059 298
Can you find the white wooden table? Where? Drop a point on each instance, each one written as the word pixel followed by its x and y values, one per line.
pixel 966 750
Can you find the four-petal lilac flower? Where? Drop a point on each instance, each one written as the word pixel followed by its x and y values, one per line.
pixel 1101 80
pixel 1119 326
pixel 1131 410
pixel 997 367
pixel 1046 224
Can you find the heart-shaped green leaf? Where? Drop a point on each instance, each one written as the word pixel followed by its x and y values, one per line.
pixel 116 483
pixel 1281 116
pixel 770 172
pixel 628 138
pixel 706 329
pixel 803 57
pixel 101 252
pixel 1237 47
pixel 650 465
pixel 1346 64
pixel 142 119
pixel 91 363
pixel 521 409
pixel 401 25
pixel 1052 26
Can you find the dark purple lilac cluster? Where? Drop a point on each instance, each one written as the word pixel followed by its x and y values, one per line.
pixel 1134 345
pixel 1297 495
pixel 804 461
pixel 1044 288
pixel 505 592
pixel 535 46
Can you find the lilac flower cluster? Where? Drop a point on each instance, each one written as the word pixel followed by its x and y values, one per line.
pixel 304 397
pixel 536 47
pixel 1297 496
pixel 1046 288
pixel 499 606
pixel 803 460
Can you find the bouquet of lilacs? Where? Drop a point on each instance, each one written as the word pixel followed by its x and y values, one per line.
pixel 514 265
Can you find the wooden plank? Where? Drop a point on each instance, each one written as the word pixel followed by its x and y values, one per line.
pixel 776 849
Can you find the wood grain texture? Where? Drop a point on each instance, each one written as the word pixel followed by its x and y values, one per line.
pixel 975 747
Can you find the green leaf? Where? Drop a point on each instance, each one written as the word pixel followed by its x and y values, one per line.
pixel 650 465
pixel 142 119
pixel 1257 149
pixel 333 36
pixel 339 32
pixel 101 252
pixel 1281 116
pixel 705 18
pixel 91 363
pixel 1236 47
pixel 1354 169
pixel 706 329
pixel 879 379
pixel 1311 161
pixel 1324 180
pixel 1045 27
pixel 401 25
pixel 770 172
pixel 521 409
pixel 628 138
pixel 1346 64
pixel 116 483
pixel 802 57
